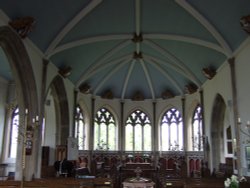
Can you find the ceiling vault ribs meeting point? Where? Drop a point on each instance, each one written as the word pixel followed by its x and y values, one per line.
pixel 139 39
pixel 85 11
pixel 104 38
pixel 206 24
pixel 172 59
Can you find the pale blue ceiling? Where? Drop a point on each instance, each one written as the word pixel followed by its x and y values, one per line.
pixel 94 38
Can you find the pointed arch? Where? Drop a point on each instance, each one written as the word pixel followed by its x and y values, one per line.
pixel 138 131
pixel 86 118
pixel 171 130
pixel 20 64
pixel 59 95
pixel 197 129
pixel 105 130
pixel 27 97
pixel 217 136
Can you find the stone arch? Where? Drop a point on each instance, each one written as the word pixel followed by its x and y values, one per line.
pixel 189 123
pixel 59 95
pixel 21 68
pixel 217 127
pixel 87 120
pixel 27 97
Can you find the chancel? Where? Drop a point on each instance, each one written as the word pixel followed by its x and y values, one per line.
pixel 115 93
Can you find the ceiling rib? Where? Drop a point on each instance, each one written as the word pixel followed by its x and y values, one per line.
pixel 176 68
pixel 205 23
pixel 109 75
pixel 104 38
pixel 174 60
pixel 71 24
pixel 186 39
pixel 107 64
pixel 103 58
pixel 165 73
pixel 89 40
pixel 124 88
pixel 137 23
pixel 148 78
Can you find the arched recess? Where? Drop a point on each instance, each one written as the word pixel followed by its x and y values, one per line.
pixel 27 97
pixel 59 95
pixel 87 121
pixel 217 136
pixel 189 124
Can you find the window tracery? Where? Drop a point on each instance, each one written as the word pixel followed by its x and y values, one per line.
pixel 138 132
pixel 171 131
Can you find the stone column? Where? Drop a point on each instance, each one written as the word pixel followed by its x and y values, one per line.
pixel 236 114
pixel 37 148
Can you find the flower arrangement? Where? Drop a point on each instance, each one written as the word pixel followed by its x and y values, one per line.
pixel 232 182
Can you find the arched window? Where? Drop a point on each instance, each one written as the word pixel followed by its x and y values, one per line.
pixel 197 136
pixel 105 130
pixel 171 131
pixel 80 129
pixel 14 133
pixel 138 132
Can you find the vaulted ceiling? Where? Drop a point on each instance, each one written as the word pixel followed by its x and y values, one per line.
pixel 132 48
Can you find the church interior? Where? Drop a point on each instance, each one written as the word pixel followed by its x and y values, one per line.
pixel 125 94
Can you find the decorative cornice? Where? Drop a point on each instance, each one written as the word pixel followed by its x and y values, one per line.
pixel 209 72
pixel 138 96
pixel 190 88
pixel 84 88
pixel 23 26
pixel 245 23
pixel 65 71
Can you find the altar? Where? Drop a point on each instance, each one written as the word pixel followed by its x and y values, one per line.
pixel 138 181
pixel 147 171
pixel 138 184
